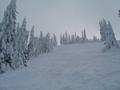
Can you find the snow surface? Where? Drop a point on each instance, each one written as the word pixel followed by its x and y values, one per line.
pixel 70 67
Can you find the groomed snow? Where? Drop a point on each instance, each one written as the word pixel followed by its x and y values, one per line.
pixel 70 67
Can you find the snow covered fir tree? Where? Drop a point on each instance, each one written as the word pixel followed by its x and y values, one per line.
pixel 107 35
pixel 8 30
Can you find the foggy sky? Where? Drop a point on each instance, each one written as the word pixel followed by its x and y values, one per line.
pixel 58 16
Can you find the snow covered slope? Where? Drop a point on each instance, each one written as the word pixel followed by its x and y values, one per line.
pixel 70 67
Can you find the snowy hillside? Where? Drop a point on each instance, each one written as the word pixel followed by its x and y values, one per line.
pixel 70 67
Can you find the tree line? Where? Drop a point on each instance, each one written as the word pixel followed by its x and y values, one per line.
pixel 16 45
pixel 66 38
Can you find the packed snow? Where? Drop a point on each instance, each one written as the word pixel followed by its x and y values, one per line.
pixel 68 67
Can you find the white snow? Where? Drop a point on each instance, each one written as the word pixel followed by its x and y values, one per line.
pixel 69 67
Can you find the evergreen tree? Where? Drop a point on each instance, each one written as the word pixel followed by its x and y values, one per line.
pixel 31 49
pixel 8 27
pixel 84 37
pixel 66 38
pixel 36 46
pixel 48 44
pixel 61 39
pixel 23 38
pixel 111 36
pixel 107 35
pixel 41 43
pixel 54 40
pixel 17 55
pixel 69 39
pixel 103 28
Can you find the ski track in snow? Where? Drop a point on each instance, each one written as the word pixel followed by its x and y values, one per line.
pixel 70 67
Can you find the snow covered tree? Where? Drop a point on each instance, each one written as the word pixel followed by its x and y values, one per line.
pixel 47 43
pixel 8 27
pixel 54 40
pixel 66 38
pixel 31 43
pixel 103 28
pixel 22 35
pixel 61 39
pixel 36 46
pixel 17 56
pixel 1 53
pixel 84 37
pixel 107 34
pixel 69 39
pixel 41 43
pixel 112 38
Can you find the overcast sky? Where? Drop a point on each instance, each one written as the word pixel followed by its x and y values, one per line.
pixel 58 16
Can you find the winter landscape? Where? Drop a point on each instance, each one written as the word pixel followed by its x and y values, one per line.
pixel 61 60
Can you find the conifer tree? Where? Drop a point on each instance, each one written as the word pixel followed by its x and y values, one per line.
pixel 31 43
pixel 23 38
pixel 54 40
pixel 107 35
pixel 8 28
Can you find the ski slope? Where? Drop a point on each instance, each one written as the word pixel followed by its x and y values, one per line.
pixel 70 67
